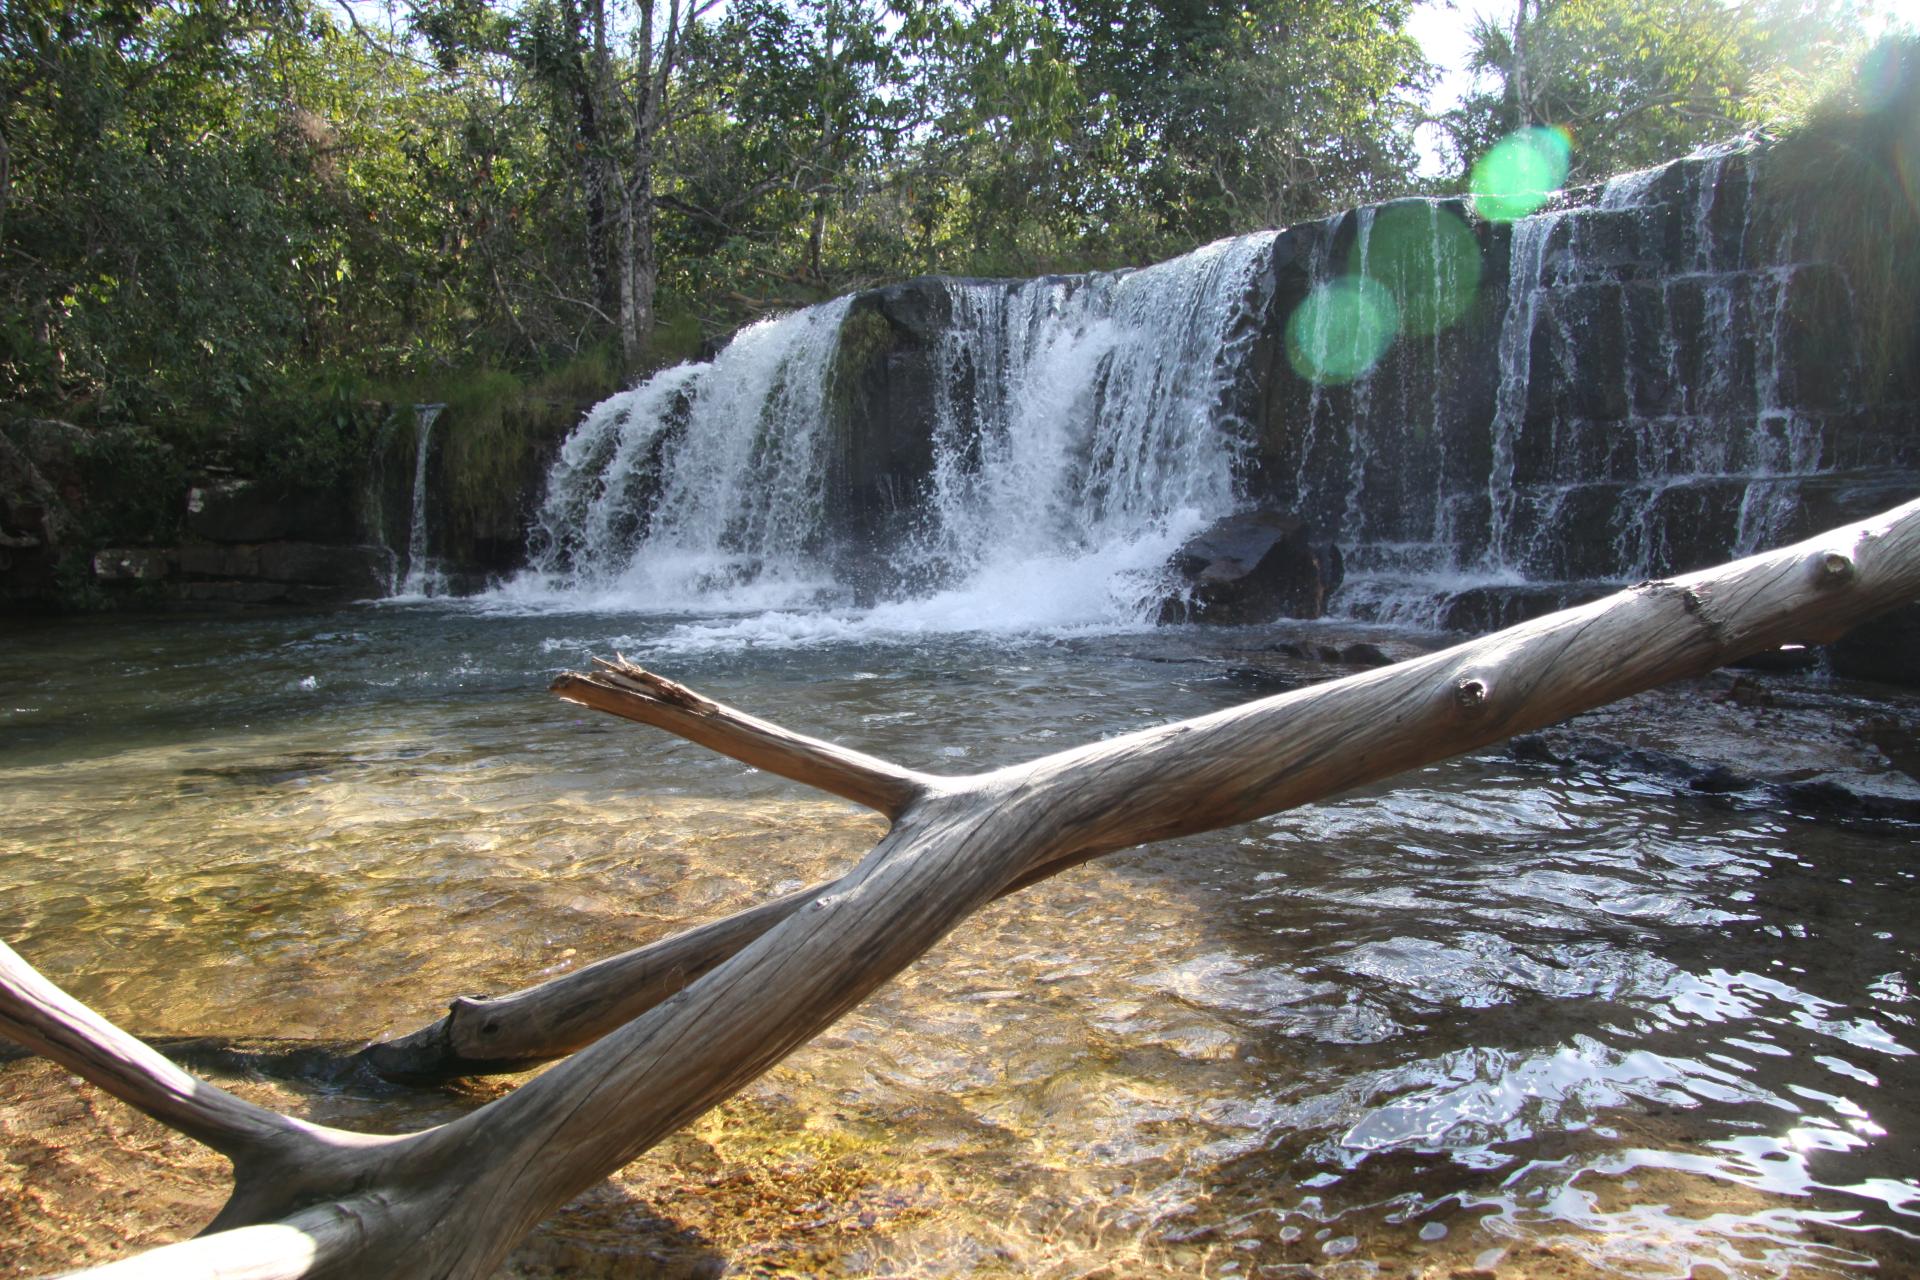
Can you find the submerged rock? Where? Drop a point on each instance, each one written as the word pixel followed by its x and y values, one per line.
pixel 1788 742
pixel 1252 568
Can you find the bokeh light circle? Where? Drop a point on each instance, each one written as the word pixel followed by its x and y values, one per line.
pixel 1520 172
pixel 1341 329
pixel 1427 257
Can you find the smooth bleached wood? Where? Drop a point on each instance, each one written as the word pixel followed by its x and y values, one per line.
pixel 622 689
pixel 38 1015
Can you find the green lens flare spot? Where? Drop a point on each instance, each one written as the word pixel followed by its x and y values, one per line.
pixel 1340 330
pixel 1521 171
pixel 1427 257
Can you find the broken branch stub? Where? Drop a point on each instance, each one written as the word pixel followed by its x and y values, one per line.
pixel 452 1201
pixel 622 689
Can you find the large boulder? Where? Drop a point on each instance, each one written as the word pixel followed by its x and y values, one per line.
pixel 1252 568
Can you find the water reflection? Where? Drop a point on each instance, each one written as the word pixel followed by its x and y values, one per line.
pixel 1501 1018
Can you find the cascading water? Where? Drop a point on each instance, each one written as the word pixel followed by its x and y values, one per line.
pixel 421 578
pixel 1642 418
pixel 1618 388
pixel 701 488
pixel 1082 429
pixel 1505 560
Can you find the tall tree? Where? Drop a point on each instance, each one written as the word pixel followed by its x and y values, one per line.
pixel 1639 81
pixel 1158 123
pixel 614 67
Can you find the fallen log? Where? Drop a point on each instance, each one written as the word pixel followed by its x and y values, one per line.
pixel 727 1001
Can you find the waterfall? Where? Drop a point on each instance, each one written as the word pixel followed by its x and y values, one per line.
pixel 1081 427
pixel 421 578
pixel 1650 408
pixel 1525 284
pixel 700 489
pixel 1625 386
pixel 1082 431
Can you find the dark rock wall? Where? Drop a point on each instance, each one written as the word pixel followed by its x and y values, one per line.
pixel 1651 378
pixel 209 537
pixel 1648 381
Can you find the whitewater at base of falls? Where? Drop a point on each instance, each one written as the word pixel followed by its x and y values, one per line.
pixel 1110 589
pixel 1080 436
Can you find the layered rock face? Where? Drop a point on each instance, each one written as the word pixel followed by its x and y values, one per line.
pixel 1648 379
pixel 106 516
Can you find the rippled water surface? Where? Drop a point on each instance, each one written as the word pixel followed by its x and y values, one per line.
pixel 1498 1019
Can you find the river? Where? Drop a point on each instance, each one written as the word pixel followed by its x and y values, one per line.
pixel 1496 1018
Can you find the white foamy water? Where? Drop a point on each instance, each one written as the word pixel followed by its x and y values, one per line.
pixel 698 489
pixel 1111 589
pixel 1081 433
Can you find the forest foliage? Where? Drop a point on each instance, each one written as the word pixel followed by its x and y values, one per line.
pixel 213 209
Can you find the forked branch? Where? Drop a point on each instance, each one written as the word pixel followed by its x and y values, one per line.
pixel 45 1019
pixel 452 1201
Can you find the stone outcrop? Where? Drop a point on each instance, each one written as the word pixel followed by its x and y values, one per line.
pixel 1252 568
pixel 1651 377
pixel 883 389
pixel 69 536
pixel 230 510
pixel 39 487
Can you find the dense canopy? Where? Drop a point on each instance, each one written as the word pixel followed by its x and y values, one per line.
pixel 217 206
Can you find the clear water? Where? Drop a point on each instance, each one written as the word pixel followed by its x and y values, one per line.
pixel 1498 1017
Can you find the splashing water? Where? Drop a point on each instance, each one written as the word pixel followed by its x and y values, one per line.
pixel 1083 428
pixel 698 489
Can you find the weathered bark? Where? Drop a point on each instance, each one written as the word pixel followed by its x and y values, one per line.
pixel 452 1201
pixel 583 77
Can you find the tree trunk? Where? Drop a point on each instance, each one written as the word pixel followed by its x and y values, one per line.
pixel 1522 88
pixel 639 270
pixel 452 1201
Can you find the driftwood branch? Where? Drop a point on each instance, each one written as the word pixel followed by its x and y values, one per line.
pixel 497 1035
pixel 38 1015
pixel 622 689
pixel 452 1201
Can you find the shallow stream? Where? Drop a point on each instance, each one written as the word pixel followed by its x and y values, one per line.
pixel 1497 1019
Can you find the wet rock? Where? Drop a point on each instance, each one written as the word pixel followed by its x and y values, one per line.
pixel 1886 648
pixel 1777 741
pixel 351 569
pixel 1790 657
pixel 229 510
pixel 133 564
pixel 880 446
pixel 359 569
pixel 1363 653
pixel 1496 608
pixel 1252 568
